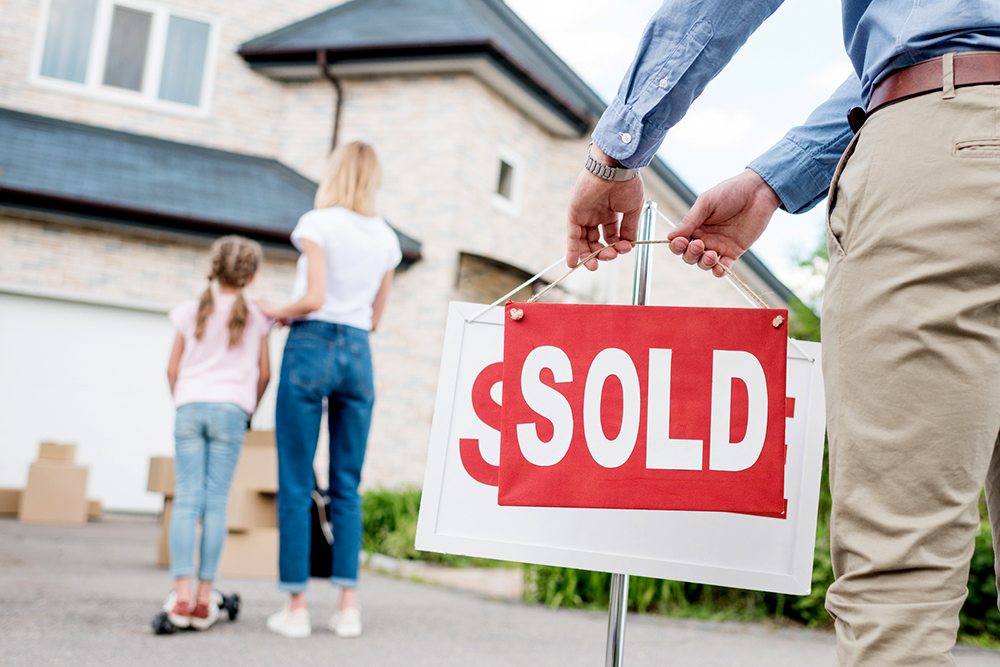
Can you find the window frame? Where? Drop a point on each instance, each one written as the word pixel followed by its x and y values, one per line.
pixel 511 206
pixel 147 97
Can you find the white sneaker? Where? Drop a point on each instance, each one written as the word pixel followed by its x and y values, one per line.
pixel 294 624
pixel 347 622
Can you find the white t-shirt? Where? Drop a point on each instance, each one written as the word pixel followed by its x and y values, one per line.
pixel 359 252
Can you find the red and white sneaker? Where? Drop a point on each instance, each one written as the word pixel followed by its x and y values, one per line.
pixel 179 612
pixel 205 615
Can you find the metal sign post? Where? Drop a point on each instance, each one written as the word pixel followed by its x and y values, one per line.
pixel 618 603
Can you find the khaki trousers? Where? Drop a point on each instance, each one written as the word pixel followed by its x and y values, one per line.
pixel 911 339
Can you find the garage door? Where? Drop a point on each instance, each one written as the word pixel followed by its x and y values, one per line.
pixel 90 375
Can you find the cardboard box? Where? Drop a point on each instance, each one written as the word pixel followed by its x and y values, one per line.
pixel 259 439
pixel 249 509
pixel 56 493
pixel 94 510
pixel 53 451
pixel 251 554
pixel 163 548
pixel 10 501
pixel 258 465
pixel 161 475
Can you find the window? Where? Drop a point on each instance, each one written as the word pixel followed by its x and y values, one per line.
pixel 510 176
pixel 130 50
pixel 482 279
pixel 506 185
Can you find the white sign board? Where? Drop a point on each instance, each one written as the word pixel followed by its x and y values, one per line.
pixel 460 515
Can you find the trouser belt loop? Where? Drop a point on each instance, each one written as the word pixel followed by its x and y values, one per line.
pixel 948 72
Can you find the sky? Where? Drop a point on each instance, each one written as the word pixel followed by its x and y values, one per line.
pixel 794 61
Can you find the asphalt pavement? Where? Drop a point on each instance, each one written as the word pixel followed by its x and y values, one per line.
pixel 85 596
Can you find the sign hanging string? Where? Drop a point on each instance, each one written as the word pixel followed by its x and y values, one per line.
pixel 732 277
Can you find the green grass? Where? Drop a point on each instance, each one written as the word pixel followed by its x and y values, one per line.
pixel 390 526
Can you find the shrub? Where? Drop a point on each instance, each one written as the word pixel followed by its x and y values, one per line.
pixel 390 526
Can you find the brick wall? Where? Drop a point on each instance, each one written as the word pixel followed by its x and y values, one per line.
pixel 440 139
pixel 116 266
pixel 245 108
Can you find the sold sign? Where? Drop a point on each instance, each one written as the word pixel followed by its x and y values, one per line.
pixel 629 407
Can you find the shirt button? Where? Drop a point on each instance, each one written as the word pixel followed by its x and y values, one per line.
pixel 664 82
pixel 626 138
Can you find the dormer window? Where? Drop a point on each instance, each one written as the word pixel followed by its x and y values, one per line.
pixel 130 51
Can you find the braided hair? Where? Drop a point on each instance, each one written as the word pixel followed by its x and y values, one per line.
pixel 234 262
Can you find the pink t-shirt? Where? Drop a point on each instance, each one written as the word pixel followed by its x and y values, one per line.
pixel 211 371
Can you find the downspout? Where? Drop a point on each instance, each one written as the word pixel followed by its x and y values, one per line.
pixel 321 59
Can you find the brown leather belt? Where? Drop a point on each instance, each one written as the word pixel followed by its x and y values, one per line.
pixel 971 69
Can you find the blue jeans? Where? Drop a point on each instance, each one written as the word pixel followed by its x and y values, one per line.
pixel 332 361
pixel 209 437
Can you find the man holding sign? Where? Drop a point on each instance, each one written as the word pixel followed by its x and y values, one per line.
pixel 908 149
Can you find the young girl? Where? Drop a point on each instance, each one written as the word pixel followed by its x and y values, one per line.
pixel 344 272
pixel 218 371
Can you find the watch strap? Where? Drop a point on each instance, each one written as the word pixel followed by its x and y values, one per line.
pixel 606 172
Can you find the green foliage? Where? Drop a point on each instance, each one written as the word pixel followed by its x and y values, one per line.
pixel 565 587
pixel 389 526
pixel 803 323
pixel 980 617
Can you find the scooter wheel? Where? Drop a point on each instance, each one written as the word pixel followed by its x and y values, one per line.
pixel 162 625
pixel 232 605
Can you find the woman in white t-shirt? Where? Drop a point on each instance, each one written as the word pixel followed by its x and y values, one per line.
pixel 342 281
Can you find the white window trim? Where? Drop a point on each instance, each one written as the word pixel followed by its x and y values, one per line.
pixel 510 206
pixel 92 88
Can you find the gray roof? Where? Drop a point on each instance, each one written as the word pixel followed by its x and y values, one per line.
pixel 402 29
pixel 58 165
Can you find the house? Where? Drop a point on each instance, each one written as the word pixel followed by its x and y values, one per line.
pixel 134 132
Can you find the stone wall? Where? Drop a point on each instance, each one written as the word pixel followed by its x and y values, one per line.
pixel 440 139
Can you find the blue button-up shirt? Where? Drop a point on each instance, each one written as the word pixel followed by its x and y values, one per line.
pixel 688 42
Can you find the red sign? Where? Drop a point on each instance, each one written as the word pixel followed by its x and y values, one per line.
pixel 643 407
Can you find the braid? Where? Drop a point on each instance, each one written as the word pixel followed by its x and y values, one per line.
pixel 235 261
pixel 205 307
pixel 238 317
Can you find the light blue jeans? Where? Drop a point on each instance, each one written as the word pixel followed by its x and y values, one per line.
pixel 209 437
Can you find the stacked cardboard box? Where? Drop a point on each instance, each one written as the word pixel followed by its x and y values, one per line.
pixel 57 488
pixel 161 480
pixel 10 505
pixel 251 548
pixel 10 502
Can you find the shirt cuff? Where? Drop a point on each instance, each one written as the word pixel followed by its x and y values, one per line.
pixel 793 174
pixel 621 135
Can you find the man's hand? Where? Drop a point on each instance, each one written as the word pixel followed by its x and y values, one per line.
pixel 602 208
pixel 724 222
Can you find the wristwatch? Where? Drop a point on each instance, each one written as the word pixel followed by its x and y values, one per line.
pixel 606 172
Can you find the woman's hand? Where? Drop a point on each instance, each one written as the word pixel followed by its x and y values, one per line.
pixel 315 288
pixel 272 311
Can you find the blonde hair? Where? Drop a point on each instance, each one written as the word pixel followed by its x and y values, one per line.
pixel 234 263
pixel 352 178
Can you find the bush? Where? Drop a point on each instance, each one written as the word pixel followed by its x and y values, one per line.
pixel 389 527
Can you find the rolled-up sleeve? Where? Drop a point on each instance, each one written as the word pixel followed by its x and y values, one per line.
pixel 684 46
pixel 800 166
